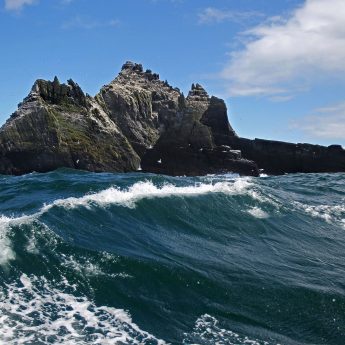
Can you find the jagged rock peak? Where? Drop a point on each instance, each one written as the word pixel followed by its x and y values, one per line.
pixel 198 93
pixel 137 68
pixel 56 93
pixel 132 66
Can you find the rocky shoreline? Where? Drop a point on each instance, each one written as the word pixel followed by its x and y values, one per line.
pixel 140 122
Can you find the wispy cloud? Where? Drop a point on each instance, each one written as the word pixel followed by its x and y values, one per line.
pixel 88 23
pixel 324 123
pixel 287 55
pixel 214 15
pixel 17 5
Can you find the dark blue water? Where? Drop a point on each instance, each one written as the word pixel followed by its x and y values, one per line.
pixel 144 259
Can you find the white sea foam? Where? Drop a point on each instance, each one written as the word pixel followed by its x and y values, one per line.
pixel 89 267
pixel 257 212
pixel 329 213
pixel 208 331
pixel 32 311
pixel 146 190
pixel 6 251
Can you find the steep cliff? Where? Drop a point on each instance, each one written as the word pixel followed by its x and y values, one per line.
pixel 58 126
pixel 140 104
pixel 196 142
pixel 139 120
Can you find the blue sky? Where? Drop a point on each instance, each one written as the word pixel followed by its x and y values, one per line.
pixel 279 64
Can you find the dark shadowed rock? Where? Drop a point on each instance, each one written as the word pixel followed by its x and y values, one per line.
pixel 216 117
pixel 196 143
pixel 180 161
pixel 276 157
pixel 53 92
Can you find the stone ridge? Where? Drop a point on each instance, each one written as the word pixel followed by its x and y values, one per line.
pixel 55 93
pixel 138 120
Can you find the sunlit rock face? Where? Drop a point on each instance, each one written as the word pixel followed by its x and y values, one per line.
pixel 57 125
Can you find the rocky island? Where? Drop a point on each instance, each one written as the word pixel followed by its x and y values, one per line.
pixel 141 122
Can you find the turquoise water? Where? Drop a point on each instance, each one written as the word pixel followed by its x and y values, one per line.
pixel 145 259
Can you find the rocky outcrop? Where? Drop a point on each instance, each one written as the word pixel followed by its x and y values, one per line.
pixel 56 93
pixel 58 126
pixel 276 157
pixel 140 104
pixel 138 119
pixel 196 142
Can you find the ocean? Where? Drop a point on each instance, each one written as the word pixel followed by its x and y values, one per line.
pixel 138 258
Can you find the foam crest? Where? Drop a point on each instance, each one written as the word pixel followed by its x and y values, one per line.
pixel 6 252
pixel 32 311
pixel 257 212
pixel 88 267
pixel 146 190
pixel 329 213
pixel 207 331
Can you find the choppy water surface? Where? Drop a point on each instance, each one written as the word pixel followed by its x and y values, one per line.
pixel 145 259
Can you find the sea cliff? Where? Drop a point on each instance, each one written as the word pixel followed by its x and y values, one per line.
pixel 141 122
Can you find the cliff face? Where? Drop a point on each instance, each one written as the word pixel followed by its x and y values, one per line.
pixel 58 126
pixel 140 104
pixel 140 120
pixel 196 142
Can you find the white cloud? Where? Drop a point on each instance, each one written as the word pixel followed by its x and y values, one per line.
pixel 17 5
pixel 214 15
pixel 286 55
pixel 324 123
pixel 87 23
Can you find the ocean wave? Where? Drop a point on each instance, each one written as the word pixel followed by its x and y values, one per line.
pixel 129 197
pixel 32 311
